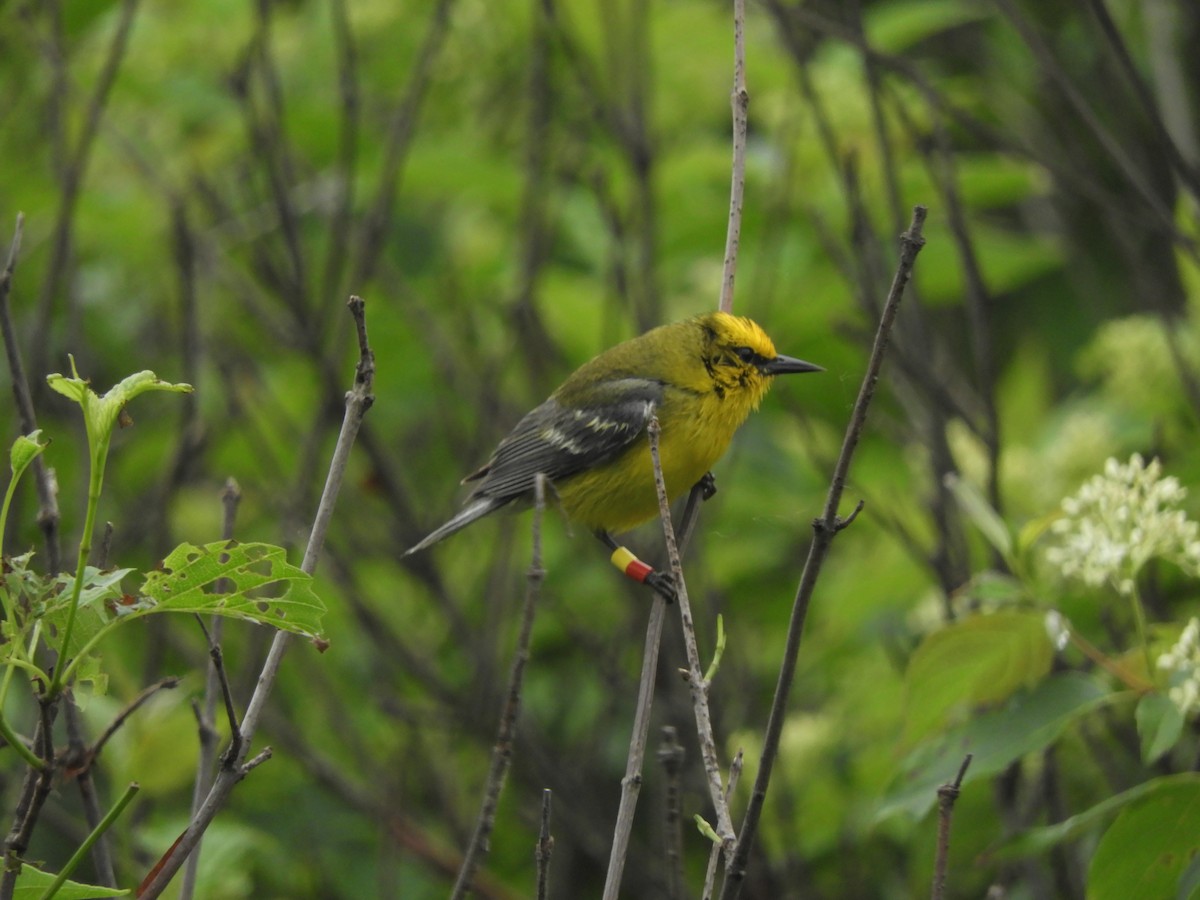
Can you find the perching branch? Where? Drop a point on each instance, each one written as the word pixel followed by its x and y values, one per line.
pixel 503 748
pixel 825 529
pixel 358 400
pixel 696 682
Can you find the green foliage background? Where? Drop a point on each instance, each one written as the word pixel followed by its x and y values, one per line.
pixel 513 187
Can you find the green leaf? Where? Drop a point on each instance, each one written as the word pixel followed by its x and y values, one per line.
pixel 1038 841
pixel 32 883
pixel 188 582
pixel 982 660
pixel 100 413
pixel 1159 725
pixel 1028 723
pixel 1146 851
pixel 25 449
pixel 982 515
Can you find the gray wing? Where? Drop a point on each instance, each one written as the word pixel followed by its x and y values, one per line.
pixel 558 439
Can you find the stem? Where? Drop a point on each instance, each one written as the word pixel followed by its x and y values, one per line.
pixel 84 848
pixel 95 482
pixel 17 744
pixel 1139 621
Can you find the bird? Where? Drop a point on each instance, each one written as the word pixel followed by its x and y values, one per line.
pixel 701 377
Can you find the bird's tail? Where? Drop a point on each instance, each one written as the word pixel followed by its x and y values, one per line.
pixel 475 509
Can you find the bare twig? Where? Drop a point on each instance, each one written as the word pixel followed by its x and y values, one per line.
pixel 740 99
pixel 714 857
pixel 670 755
pixel 502 751
pixel 947 795
pixel 631 784
pixel 215 682
pixel 131 707
pixel 825 530
pixel 34 791
pixel 72 174
pixel 696 682
pixel 47 488
pixel 358 400
pixel 545 847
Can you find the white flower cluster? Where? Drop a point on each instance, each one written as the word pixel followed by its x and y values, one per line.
pixel 1183 662
pixel 1121 519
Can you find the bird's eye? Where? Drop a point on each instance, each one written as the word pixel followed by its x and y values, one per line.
pixel 745 354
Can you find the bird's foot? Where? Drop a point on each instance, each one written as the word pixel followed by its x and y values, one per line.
pixel 662 584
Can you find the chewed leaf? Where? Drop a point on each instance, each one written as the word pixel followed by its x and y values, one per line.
pixel 260 585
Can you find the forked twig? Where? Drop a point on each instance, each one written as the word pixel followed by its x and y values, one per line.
pixel 825 530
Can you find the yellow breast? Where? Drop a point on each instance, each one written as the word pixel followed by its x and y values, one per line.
pixel 696 429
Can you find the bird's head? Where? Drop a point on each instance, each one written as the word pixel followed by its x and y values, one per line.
pixel 739 358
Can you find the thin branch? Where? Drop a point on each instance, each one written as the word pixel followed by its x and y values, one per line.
pixel 72 175
pixel 34 791
pixel 947 794
pixel 545 847
pixel 631 784
pixel 44 481
pixel 670 756
pixel 696 682
pixel 131 707
pixel 714 857
pixel 216 681
pixel 358 400
pixel 825 530
pixel 740 100
pixel 502 751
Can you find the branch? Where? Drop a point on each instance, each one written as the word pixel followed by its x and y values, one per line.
pixel 215 682
pixel 358 401
pixel 545 846
pixel 47 487
pixel 695 673
pixel 502 752
pixel 947 794
pixel 825 529
pixel 631 784
pixel 740 100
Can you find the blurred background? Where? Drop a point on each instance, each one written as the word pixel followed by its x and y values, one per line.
pixel 514 187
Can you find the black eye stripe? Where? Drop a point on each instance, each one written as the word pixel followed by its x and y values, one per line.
pixel 748 355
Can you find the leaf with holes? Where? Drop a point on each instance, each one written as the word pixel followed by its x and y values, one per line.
pixel 244 581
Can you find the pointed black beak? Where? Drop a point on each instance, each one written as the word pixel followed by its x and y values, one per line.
pixel 787 365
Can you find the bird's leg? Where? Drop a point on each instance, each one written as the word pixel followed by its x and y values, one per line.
pixel 624 559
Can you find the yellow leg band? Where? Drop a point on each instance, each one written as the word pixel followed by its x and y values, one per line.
pixel 630 564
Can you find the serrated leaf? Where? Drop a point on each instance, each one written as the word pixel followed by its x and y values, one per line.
pixel 1028 723
pixel 32 884
pixel 188 582
pixel 1159 725
pixel 982 660
pixel 1146 851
